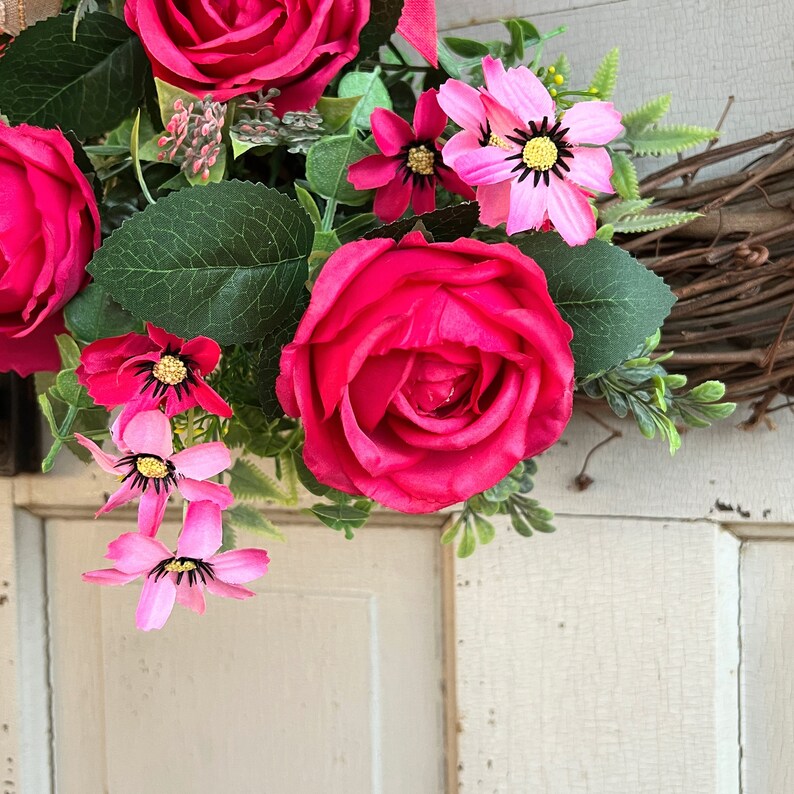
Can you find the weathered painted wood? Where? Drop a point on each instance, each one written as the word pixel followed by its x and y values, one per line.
pixel 602 658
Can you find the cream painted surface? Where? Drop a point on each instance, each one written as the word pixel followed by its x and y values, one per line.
pixel 330 681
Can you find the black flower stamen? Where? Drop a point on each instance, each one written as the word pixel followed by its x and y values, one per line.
pixel 148 470
pixel 172 370
pixel 194 568
pixel 544 151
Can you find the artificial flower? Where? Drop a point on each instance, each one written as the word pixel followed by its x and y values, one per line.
pixel 49 228
pixel 232 48
pixel 145 371
pixel 183 575
pixel 149 469
pixel 424 372
pixel 550 163
pixel 410 162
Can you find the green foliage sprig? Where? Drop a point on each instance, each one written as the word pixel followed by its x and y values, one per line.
pixel 643 386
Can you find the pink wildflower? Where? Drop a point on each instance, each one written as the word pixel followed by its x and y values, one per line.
pixel 182 575
pixel 410 164
pixel 149 469
pixel 143 372
pixel 548 161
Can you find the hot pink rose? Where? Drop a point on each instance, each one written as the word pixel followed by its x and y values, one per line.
pixel 226 47
pixel 424 372
pixel 49 228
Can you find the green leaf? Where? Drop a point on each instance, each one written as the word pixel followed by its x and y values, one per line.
pixel 228 261
pixel 326 168
pixel 623 209
pixel 46 409
pixel 451 532
pixel 708 392
pixel 70 352
pixel 446 62
pixel 444 225
pixel 606 75
pixel 484 528
pixel 383 18
pixel 468 543
pixel 340 517
pixel 563 66
pixel 136 160
pixel 611 300
pixel 653 221
pixel 357 225
pixel 624 176
pixel 306 200
pixel 668 139
pixel 649 113
pixel 239 147
pixel 336 111
pixel 70 390
pixel 167 95
pixel 516 38
pixel 466 48
pixel 88 85
pixel 268 366
pixel 248 519
pixel 372 94
pixel 229 535
pixel 248 481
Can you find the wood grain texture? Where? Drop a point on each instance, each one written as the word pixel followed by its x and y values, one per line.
pixel 329 681
pixel 768 667
pixel 702 51
pixel 602 658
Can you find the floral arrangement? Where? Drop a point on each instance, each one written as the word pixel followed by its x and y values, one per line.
pixel 296 240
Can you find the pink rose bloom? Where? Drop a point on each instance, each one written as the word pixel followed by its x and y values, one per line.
pixel 410 164
pixel 145 371
pixel 536 166
pixel 149 469
pixel 49 228
pixel 423 372
pixel 181 576
pixel 227 48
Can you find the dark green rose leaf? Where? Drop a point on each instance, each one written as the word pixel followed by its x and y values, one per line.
pixel 443 225
pixel 228 261
pixel 326 168
pixel 89 85
pixel 383 18
pixel 92 314
pixel 612 301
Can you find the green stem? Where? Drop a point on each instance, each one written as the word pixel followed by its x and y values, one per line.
pixel 328 215
pixel 64 431
pixel 189 436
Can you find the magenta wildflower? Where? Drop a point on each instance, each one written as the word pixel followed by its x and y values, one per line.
pixel 149 469
pixel 183 575
pixel 410 164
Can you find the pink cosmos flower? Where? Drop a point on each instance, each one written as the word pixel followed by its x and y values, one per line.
pixel 145 371
pixel 148 468
pixel 545 165
pixel 410 164
pixel 182 575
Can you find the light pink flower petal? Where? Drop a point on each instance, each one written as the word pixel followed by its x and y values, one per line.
pixel 202 531
pixel 151 510
pixel 494 201
pixel 106 462
pixel 392 200
pixel 518 89
pixel 203 460
pixel 109 576
pixel 570 212
pixel 503 121
pixel 126 493
pixel 191 597
pixel 156 603
pixel 429 118
pixel 486 166
pixel 391 132
pixel 459 144
pixel 240 565
pixel 590 168
pixel 218 588
pixel 592 122
pixel 201 490
pixel 373 171
pixel 462 104
pixel 149 432
pixel 136 553
pixel 527 205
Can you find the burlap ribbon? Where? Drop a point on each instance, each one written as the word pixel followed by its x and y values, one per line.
pixel 16 15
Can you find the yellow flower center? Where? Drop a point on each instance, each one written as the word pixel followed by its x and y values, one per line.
pixel 153 468
pixel 180 566
pixel 421 160
pixel 540 153
pixel 499 143
pixel 170 370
